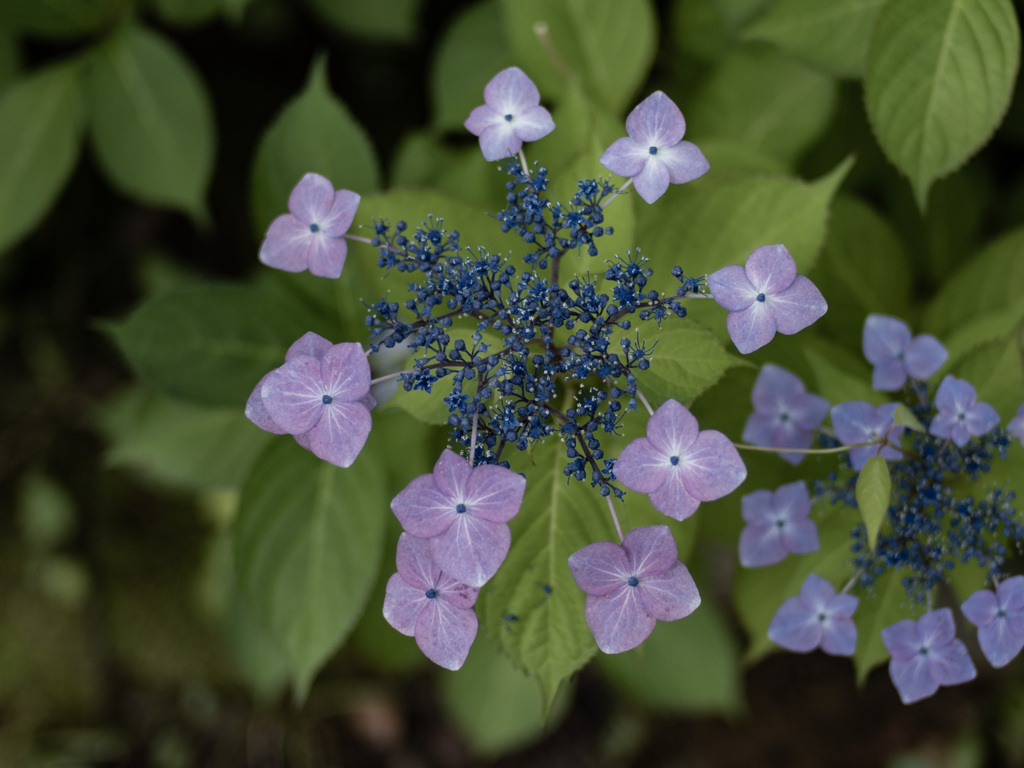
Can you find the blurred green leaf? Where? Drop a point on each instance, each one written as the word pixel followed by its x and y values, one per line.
pixel 765 101
pixel 59 18
pixel 178 443
pixel 832 36
pixel 46 511
pixel 471 51
pixel 309 530
pixel 996 370
pixel 10 61
pixel 189 13
pixel 887 604
pixel 608 44
pixel 152 122
pixel 939 78
pixel 315 132
pixel 686 667
pixel 708 29
pixel 906 417
pixel 549 636
pixel 385 20
pixel 873 486
pixel 41 120
pixel 210 344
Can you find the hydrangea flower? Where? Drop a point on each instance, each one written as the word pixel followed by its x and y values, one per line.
pixel 1016 425
pixel 464 512
pixel 888 346
pixel 510 115
pixel 630 587
pixel 322 398
pixel 778 523
pixel 925 655
pixel 654 154
pixel 960 414
pixel 785 414
pixel 679 466
pixel 861 422
pixel 312 235
pixel 765 296
pixel 999 617
pixel 424 602
pixel 817 617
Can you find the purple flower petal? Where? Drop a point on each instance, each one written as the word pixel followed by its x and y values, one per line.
pixel 494 493
pixel 926 654
pixel 981 419
pixel 293 394
pixel 1000 643
pixel 751 328
pixel 672 499
pixel 841 637
pixel 652 182
pixel 345 372
pixel 499 141
pixel 760 545
pixel 950 663
pixel 656 121
pixel 471 550
pixel 797 307
pixel 901 639
pixel 981 608
pixel 888 375
pixel 286 245
pixel 924 356
pixel 533 124
pixel 341 433
pixel 685 162
pixel 455 592
pixel 641 467
pixel 311 199
pixel 816 617
pixel 309 343
pixel 511 92
pixel 618 621
pixel 731 288
pixel 883 338
pixel 794 627
pixel 672 429
pixel 770 269
pixel 860 422
pixel 326 255
pixel 343 212
pixel 451 475
pixel 422 509
pixel 403 604
pixel 511 115
pixel 669 595
pixel 712 467
pixel 482 118
pixel 415 566
pixel 256 411
pixel 960 415
pixel 625 157
pixel 599 568
pixel 650 550
pixel 889 347
pixel 445 633
pixel 912 678
pixel 1016 425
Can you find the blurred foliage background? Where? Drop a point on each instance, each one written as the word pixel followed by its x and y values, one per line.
pixel 146 144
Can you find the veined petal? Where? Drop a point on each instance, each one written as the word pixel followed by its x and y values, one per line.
pixel 494 493
pixel 293 394
pixel 1000 643
pixel 341 433
pixel 618 621
pixel 770 269
pixel 642 467
pixel 311 199
pixel 669 595
pixel 342 213
pixel 286 245
pixel 482 118
pixel 415 566
pixel 422 509
pixel 751 328
pixel 671 497
pixel 650 550
pixel 912 678
pixel 326 255
pixel 312 344
pixel 685 162
pixel 712 467
pixel 451 475
pixel 445 633
pixel 796 307
pixel 794 627
pixel 731 288
pixel 625 157
pixel 672 429
pixel 455 592
pixel 471 550
pixel 403 604
pixel 924 356
pixel 652 181
pixel 499 141
pixel 533 124
pixel 511 92
pixel 599 568
pixel 256 411
pixel 346 372
pixel 656 121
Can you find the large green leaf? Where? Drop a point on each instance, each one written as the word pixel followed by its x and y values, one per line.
pixel 188 13
pixel 315 132
pixel 40 132
pixel 939 78
pixel 833 36
pixel 307 546
pixel 708 29
pixel 59 18
pixel 390 20
pixel 883 606
pixel 548 636
pixel 210 343
pixel 608 44
pixel 152 123
pixel 765 101
pixel 471 52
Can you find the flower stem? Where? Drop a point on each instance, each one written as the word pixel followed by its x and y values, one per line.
pixel 642 399
pixel 522 163
pixel 358 238
pixel 472 440
pixel 616 193
pixel 615 518
pixel 837 449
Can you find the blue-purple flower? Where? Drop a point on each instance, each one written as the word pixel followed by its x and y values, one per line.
pixel 999 617
pixel 960 416
pixel 861 422
pixel 765 296
pixel 510 115
pixel 896 355
pixel 424 602
pixel 1016 425
pixel 654 154
pixel 678 465
pixel 312 235
pixel 633 585
pixel 464 512
pixel 816 618
pixel 785 414
pixel 778 523
pixel 925 655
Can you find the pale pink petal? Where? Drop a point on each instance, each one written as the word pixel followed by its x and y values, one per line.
pixel 499 141
pixel 345 371
pixel 455 592
pixel 712 467
pixel 451 475
pixel 286 245
pixel 797 307
pixel 656 122
pixel 471 550
pixel 731 288
pixel 422 509
pixel 751 328
pixel 685 162
pixel 618 621
pixel 652 181
pixel 326 255
pixel 625 157
pixel 311 200
pixel 403 604
pixel 510 92
pixel 672 429
pixel 341 433
pixel 415 566
pixel 533 124
pixel 309 343
pixel 445 633
pixel 650 550
pixel 293 394
pixel 256 411
pixel 671 594
pixel 642 467
pixel 482 118
pixel 671 498
pixel 771 269
pixel 494 493
pixel 599 568
pixel 342 213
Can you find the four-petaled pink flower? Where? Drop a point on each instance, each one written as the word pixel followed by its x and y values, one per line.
pixel 888 346
pixel 778 523
pixel 630 587
pixel 785 414
pixel 861 422
pixel 817 617
pixel 678 465
pixel 999 617
pixel 765 296
pixel 312 235
pixel 960 414
pixel 510 115
pixel 925 655
pixel 464 512
pixel 654 154
pixel 424 602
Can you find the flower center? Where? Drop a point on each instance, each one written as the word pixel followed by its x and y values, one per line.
pixel 460 508
pixel 509 118
pixel 760 297
pixel 653 150
pixel 780 523
pixel 314 227
pixel 822 617
pixel 783 416
pixel 673 460
pixel 633 581
pixel 327 399
pixel 922 651
pixel 1000 614
pixel 431 593
pixel 961 416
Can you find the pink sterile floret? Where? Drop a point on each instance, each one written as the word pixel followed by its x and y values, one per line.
pixel 510 115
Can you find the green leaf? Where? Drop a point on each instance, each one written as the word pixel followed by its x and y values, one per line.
pixel 687 360
pixel 59 18
pixel 471 52
pixel 686 667
pixel 315 132
pixel 832 36
pixel 188 13
pixel 996 370
pixel 497 708
pixel 939 78
pixel 549 637
pixel 764 101
pixel 41 120
pixel 46 511
pixel 609 45
pixel 905 416
pixel 152 123
pixel 887 604
pixel 307 547
pixel 708 29
pixel 178 443
pixel 9 60
pixel 386 20
pixel 873 486
pixel 209 343
pixel 840 375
